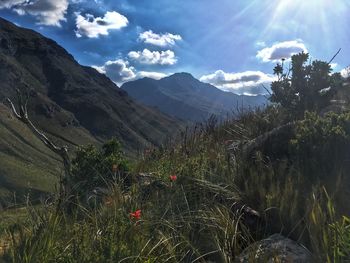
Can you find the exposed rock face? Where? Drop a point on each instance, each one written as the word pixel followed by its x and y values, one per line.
pixel 276 248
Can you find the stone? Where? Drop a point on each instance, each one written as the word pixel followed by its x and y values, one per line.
pixel 275 248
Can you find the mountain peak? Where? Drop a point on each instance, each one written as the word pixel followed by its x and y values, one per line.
pixel 185 97
pixel 182 75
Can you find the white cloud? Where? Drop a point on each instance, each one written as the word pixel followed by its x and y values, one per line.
pixel 153 57
pixel 10 3
pixel 117 70
pixel 281 50
pixel 93 27
pixel 334 66
pixel 47 12
pixel 248 82
pixel 152 75
pixel 345 72
pixel 162 40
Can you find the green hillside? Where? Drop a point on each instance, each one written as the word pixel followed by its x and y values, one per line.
pixel 26 165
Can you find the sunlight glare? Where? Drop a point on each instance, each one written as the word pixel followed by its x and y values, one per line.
pixel 311 16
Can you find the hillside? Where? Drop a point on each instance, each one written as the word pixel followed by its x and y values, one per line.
pixel 183 96
pixel 71 103
pixel 25 163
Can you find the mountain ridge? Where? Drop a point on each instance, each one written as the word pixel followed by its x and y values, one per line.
pixel 71 103
pixel 183 96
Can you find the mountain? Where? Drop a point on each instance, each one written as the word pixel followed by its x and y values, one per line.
pixel 183 96
pixel 73 104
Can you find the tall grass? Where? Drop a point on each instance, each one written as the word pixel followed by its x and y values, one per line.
pixel 200 217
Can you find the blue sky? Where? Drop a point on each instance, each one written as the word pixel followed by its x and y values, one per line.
pixel 232 44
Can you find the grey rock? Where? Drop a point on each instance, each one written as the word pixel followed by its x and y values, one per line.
pixel 275 248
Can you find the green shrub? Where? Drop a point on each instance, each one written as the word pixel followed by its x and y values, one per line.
pixel 321 144
pixel 93 168
pixel 305 86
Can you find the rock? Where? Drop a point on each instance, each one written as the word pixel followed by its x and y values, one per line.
pixel 275 248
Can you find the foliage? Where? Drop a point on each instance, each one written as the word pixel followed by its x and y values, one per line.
pixel 304 86
pixel 322 143
pixel 331 242
pixel 94 167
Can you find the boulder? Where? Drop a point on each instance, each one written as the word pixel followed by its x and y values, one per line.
pixel 275 248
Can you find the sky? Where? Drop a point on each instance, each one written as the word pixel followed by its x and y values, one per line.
pixel 232 44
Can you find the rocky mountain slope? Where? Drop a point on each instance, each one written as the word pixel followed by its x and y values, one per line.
pixel 71 103
pixel 183 96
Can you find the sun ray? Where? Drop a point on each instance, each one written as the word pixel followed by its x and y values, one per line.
pixel 311 19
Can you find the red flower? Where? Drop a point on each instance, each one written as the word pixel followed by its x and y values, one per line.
pixel 173 178
pixel 136 215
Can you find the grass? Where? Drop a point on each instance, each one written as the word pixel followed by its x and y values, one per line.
pixel 26 165
pixel 201 216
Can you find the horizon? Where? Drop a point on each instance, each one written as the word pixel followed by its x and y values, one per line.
pixel 129 40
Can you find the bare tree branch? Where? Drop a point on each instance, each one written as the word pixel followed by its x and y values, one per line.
pixel 13 109
pixel 22 115
pixel 248 147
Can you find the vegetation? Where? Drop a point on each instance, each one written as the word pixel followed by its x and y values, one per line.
pixel 200 198
pixel 97 168
pixel 305 86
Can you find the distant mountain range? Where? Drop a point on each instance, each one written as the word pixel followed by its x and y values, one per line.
pixel 73 104
pixel 183 96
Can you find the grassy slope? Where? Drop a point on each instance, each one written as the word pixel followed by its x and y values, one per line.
pixel 26 165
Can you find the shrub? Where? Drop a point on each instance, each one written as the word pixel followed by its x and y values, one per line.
pixel 321 144
pixel 304 86
pixel 93 168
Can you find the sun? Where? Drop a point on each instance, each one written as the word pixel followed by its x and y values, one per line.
pixel 309 15
pixel 309 9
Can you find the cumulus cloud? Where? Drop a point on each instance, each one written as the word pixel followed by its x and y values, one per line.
pixel 281 50
pixel 93 27
pixel 150 74
pixel 334 66
pixel 345 72
pixel 162 40
pixel 153 57
pixel 47 12
pixel 10 3
pixel 118 70
pixel 248 82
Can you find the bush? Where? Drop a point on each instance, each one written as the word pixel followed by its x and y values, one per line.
pixel 93 168
pixel 321 144
pixel 304 86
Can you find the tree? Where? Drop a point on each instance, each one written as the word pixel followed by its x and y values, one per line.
pixel 304 86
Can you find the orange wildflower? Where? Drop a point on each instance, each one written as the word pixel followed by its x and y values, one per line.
pixel 136 215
